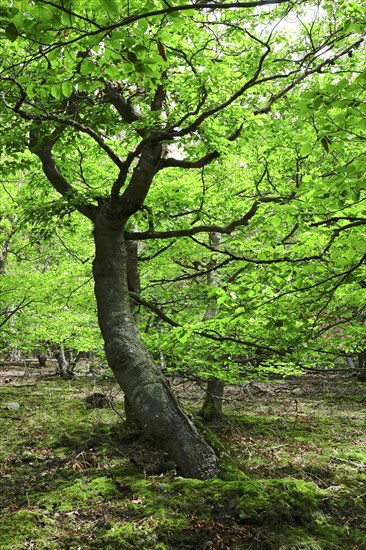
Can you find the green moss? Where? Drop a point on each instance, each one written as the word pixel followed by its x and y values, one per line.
pixel 131 536
pixel 254 501
pixel 280 448
pixel 150 532
pixel 273 502
pixel 212 438
pixel 229 471
pixel 68 496
pixel 20 527
pixel 298 539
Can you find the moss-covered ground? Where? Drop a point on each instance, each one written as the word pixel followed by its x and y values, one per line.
pixel 293 471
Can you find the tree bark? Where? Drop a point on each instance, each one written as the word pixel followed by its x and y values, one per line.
pixel 361 356
pixel 133 274
pixel 212 406
pixel 148 394
pixel 64 365
pixel 42 360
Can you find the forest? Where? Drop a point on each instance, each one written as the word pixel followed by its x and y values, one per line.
pixel 182 274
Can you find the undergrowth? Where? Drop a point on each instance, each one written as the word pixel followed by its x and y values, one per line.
pixel 292 473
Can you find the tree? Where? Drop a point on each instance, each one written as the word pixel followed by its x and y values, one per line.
pixel 46 289
pixel 112 97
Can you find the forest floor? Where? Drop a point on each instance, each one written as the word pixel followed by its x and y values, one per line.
pixel 293 457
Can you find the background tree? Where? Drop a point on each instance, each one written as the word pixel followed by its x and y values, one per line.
pixel 46 283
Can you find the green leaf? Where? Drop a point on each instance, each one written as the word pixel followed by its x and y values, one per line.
pixel 56 91
pixel 67 88
pixel 110 6
pixel 87 67
pixel 306 149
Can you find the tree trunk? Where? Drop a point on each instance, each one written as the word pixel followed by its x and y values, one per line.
pixel 42 360
pixel 133 274
pixel 361 356
pixel 64 365
pixel 149 396
pixel 212 406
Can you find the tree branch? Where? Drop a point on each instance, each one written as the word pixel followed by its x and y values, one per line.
pixel 78 126
pixel 355 221
pixel 43 149
pixel 206 114
pixel 204 334
pixel 69 12
pixel 199 6
pixel 155 254
pixel 153 308
pixel 23 303
pixel 127 111
pixel 141 179
pixel 330 61
pixel 184 163
pixel 227 230
pixel 51 117
pixel 247 343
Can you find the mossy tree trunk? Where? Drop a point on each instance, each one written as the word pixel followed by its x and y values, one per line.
pixel 212 406
pixel 134 285
pixel 149 397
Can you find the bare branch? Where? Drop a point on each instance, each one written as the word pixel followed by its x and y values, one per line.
pixel 156 254
pixel 51 117
pixel 141 178
pixel 70 12
pixel 210 112
pixel 153 308
pixel 282 259
pixel 355 221
pixel 81 128
pixel 125 108
pixel 199 6
pixel 295 290
pixel 246 343
pixel 211 335
pixel 340 281
pixel 228 229
pixel 23 303
pixel 43 149
pixel 184 163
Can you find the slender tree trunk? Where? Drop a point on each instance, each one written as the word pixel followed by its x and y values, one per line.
pixel 212 405
pixel 42 360
pixel 361 356
pixel 133 274
pixel 64 365
pixel 155 408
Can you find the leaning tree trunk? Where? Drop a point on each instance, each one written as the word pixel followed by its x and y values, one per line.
pixel 134 285
pixel 157 411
